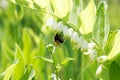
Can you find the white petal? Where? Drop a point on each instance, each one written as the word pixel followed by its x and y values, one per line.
pixel 91 45
pixel 75 38
pixel 84 45
pixel 71 31
pixel 60 26
pixel 54 26
pixel 101 58
pixel 53 76
pixel 65 31
pixel 92 53
pixel 50 21
pixel 80 43
pixel 99 69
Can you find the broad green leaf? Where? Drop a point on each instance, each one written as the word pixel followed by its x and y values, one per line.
pixel 116 48
pixel 19 12
pixel 67 59
pixel 45 59
pixel 29 73
pixel 13 1
pixel 114 71
pixel 61 7
pixel 9 71
pixel 34 36
pixel 17 1
pixel 101 27
pixel 29 4
pixel 110 42
pixel 7 52
pixel 73 17
pixel 2 75
pixel 42 3
pixel 27 45
pixel 88 17
pixel 19 69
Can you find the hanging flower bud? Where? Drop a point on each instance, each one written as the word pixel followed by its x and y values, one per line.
pixel 71 31
pixel 84 45
pixel 50 22
pixel 99 70
pixel 91 45
pixel 53 77
pixel 55 27
pixel 101 58
pixel 65 31
pixel 92 53
pixel 60 26
pixel 75 38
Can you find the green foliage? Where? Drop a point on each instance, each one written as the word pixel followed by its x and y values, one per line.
pixel 115 49
pixel 88 16
pixel 114 71
pixel 28 50
pixel 101 29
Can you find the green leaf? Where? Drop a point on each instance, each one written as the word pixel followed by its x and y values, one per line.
pixel 7 52
pixel 67 59
pixel 45 59
pixel 61 7
pixel 13 1
pixel 114 71
pixel 34 36
pixel 19 12
pixel 101 28
pixel 2 75
pixel 29 4
pixel 19 69
pixel 73 17
pixel 110 42
pixel 9 71
pixel 27 45
pixel 88 17
pixel 28 74
pixel 116 48
pixel 42 3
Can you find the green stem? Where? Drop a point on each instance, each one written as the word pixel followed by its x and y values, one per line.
pixel 82 67
pixel 54 64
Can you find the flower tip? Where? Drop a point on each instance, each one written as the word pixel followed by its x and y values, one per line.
pixel 99 70
pixel 50 21
pixel 101 58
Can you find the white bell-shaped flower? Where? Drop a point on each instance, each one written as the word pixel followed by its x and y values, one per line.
pixel 55 27
pixel 91 45
pixel 99 70
pixel 75 38
pixel 71 31
pixel 60 26
pixel 101 58
pixel 65 31
pixel 84 45
pixel 53 77
pixel 50 22
pixel 92 53
pixel 80 43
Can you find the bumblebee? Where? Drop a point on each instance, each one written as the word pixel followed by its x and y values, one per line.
pixel 58 38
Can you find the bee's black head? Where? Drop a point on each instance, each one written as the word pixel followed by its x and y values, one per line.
pixel 59 38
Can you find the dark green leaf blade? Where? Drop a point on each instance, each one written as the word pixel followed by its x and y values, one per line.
pixel 114 71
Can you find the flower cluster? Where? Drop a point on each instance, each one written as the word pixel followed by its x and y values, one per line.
pixel 78 41
pixel 58 27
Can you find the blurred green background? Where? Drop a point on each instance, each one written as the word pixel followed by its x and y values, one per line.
pixel 113 12
pixel 13 18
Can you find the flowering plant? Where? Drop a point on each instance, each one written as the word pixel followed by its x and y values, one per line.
pixel 58 40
